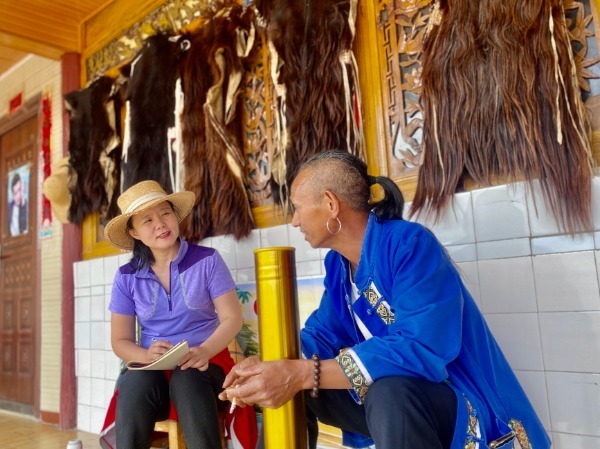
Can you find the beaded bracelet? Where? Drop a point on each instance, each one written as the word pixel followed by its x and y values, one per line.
pixel 316 377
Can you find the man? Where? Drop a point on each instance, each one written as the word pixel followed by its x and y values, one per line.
pixel 397 354
pixel 17 208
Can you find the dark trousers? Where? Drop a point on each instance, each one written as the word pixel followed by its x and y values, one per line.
pixel 144 398
pixel 398 413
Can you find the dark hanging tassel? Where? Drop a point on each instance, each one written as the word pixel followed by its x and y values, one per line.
pixel 311 37
pixel 90 135
pixel 211 125
pixel 151 95
pixel 501 99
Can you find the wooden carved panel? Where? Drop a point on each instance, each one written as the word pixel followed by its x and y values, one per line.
pixel 401 26
pixel 258 120
pixel 401 29
pixel 171 16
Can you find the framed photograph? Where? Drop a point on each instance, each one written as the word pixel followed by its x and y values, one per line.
pixel 18 200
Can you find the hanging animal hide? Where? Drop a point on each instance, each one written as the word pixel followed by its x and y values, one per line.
pixel 94 150
pixel 211 72
pixel 501 99
pixel 147 152
pixel 317 79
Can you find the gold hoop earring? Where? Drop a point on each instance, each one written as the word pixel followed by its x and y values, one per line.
pixel 339 226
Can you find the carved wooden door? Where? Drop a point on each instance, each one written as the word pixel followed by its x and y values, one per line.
pixel 18 267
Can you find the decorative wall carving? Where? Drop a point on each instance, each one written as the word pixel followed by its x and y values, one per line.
pixel 401 28
pixel 172 16
pixel 258 119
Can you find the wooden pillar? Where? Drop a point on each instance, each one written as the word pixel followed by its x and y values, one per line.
pixel 71 252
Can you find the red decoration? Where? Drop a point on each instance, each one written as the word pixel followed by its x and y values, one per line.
pixel 46 131
pixel 15 103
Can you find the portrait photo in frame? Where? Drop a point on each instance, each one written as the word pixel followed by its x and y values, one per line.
pixel 18 200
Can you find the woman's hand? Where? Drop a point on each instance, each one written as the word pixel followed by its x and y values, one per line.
pixel 197 357
pixel 156 349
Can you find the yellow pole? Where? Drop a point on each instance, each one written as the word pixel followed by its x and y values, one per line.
pixel 278 326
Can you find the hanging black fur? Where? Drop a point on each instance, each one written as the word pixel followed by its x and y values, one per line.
pixel 90 134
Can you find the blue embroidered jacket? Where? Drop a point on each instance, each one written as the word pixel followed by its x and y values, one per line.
pixel 423 323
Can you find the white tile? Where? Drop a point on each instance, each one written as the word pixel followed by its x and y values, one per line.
pixel 225 245
pixel 463 253
pixel 568 441
pixel 501 249
pixel 310 268
pixel 245 250
pixel 455 225
pixel 534 384
pixel 206 242
pixel 124 258
pixel 500 213
pixel 112 366
pixel 246 275
pixel 97 416
pixel 541 219
pixel 98 392
pixel 107 343
pixel 304 252
pixel 81 275
pixel 97 339
pixel 96 308
pixel 571 341
pixel 566 282
pixel 84 390
pixel 274 236
pixel 518 335
pixel 83 308
pixel 507 285
pixel 597 240
pixel 82 335
pixel 111 265
pixel 562 244
pixel 98 357
pixel 83 418
pixel 469 273
pixel 84 291
pixel 107 312
pixel 323 252
pixel 574 399
pixel 97 271
pixel 84 363
pixel 596 202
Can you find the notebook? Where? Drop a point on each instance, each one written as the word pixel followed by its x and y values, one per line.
pixel 167 361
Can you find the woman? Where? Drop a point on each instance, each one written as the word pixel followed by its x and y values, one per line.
pixel 398 353
pixel 177 291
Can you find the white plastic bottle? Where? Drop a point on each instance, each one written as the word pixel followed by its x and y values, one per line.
pixel 74 444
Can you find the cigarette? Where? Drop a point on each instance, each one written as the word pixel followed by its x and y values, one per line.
pixel 233 403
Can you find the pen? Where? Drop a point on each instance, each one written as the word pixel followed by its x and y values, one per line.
pixel 233 403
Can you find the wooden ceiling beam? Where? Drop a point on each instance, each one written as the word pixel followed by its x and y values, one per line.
pixel 30 45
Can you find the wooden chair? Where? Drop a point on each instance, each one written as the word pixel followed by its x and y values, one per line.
pixel 173 429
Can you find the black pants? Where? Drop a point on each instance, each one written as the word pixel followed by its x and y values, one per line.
pixel 144 398
pixel 398 413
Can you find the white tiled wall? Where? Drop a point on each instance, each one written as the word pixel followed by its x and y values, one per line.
pixel 538 289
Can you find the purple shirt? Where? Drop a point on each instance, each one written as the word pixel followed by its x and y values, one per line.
pixel 198 276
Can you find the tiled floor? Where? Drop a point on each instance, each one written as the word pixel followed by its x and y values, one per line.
pixel 22 432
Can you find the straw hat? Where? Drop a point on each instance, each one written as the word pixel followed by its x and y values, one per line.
pixel 56 189
pixel 140 197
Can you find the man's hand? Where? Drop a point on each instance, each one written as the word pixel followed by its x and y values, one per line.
pixel 269 384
